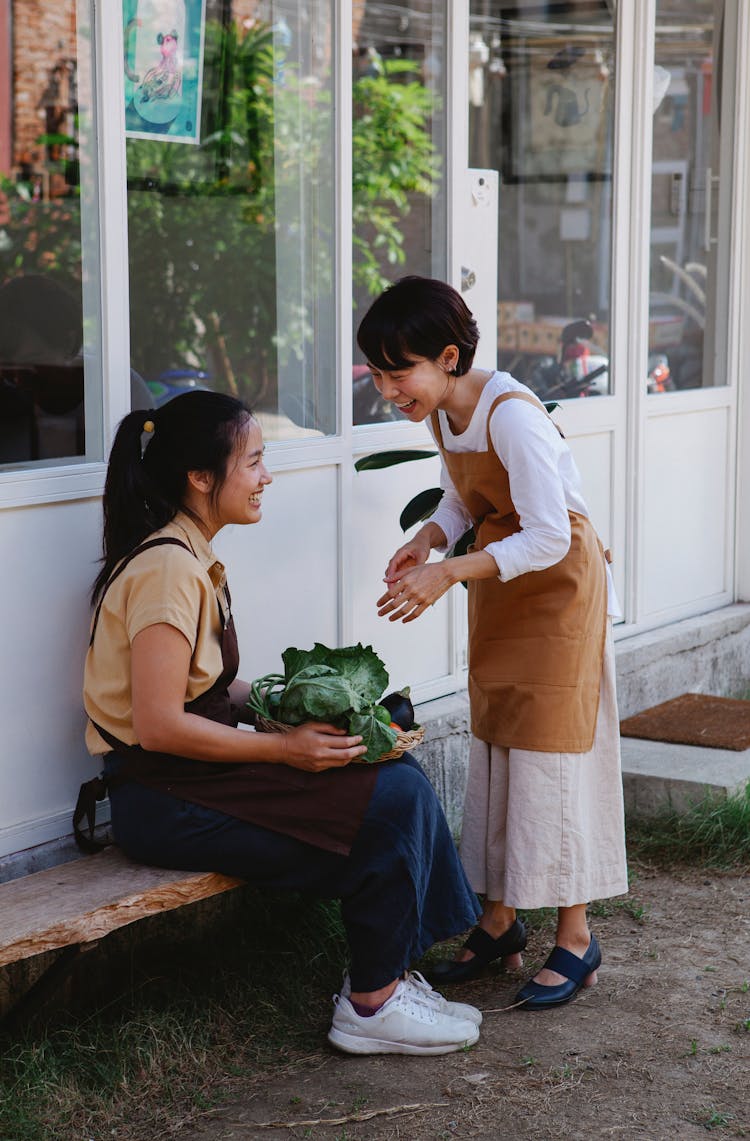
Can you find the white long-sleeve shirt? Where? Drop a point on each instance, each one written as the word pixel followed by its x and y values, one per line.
pixel 544 482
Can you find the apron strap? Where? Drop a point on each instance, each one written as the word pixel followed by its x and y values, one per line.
pixel 118 571
pixel 527 396
pixel 435 421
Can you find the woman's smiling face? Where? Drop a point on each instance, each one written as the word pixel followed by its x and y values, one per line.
pixel 419 388
pixel 239 499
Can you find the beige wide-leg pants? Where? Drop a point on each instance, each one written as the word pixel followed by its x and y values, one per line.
pixel 547 829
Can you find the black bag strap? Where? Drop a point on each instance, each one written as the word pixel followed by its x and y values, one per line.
pixel 88 795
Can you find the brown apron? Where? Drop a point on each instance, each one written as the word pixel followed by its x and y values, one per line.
pixel 324 809
pixel 536 642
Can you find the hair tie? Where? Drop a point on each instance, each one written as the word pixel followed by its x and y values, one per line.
pixel 148 426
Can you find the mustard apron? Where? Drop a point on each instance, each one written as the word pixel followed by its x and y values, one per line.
pixel 536 642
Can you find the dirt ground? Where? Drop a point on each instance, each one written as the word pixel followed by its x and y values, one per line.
pixel 660 1048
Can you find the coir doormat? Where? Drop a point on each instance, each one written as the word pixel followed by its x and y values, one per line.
pixel 694 719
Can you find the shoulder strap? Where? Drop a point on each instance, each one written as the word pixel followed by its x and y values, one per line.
pixel 527 396
pixel 435 421
pixel 121 567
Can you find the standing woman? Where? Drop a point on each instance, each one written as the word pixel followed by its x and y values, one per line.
pixel 543 817
pixel 190 790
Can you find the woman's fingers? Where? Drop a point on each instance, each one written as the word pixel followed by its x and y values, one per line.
pixel 405 559
pixel 415 590
pixel 401 606
pixel 319 746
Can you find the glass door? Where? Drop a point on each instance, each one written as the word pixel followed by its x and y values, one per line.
pixel 542 88
pixel 541 113
pixel 686 186
pixel 399 70
pixel 687 493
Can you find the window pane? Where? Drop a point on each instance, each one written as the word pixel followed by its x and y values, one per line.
pixel 230 204
pixel 541 95
pixel 50 373
pixel 398 143
pixel 684 197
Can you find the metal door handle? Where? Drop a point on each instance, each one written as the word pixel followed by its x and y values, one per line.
pixel 708 240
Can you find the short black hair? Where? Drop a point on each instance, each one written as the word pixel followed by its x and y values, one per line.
pixel 417 317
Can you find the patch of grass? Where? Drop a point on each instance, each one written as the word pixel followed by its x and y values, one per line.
pixel 712 833
pixel 605 908
pixel 715 1119
pixel 250 987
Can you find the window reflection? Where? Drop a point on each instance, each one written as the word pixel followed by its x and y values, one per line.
pixel 231 231
pixel 397 146
pixel 541 97
pixel 43 367
pixel 684 195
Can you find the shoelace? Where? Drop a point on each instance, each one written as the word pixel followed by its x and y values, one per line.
pixel 414 980
pixel 417 981
pixel 414 998
pixel 415 1003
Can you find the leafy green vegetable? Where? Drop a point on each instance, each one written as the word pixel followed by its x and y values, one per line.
pixel 360 664
pixel 317 693
pixel 378 738
pixel 341 686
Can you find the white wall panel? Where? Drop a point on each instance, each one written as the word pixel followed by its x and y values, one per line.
pixel 687 503
pixel 419 653
pixel 593 455
pixel 50 559
pixel 283 571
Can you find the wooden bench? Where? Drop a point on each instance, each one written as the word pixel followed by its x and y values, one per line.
pixel 69 908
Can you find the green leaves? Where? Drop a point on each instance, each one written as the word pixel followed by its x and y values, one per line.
pixel 378 737
pixel 420 507
pixel 317 693
pixel 394 159
pixel 359 664
pixel 340 686
pixel 379 460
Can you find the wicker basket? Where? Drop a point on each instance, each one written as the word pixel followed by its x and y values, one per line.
pixel 405 739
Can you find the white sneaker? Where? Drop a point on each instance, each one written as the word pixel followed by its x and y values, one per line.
pixel 418 983
pixel 407 1023
pixel 454 1009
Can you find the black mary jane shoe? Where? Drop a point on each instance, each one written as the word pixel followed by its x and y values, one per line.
pixel 485 950
pixel 534 996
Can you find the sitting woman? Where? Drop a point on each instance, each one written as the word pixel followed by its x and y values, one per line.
pixel 190 790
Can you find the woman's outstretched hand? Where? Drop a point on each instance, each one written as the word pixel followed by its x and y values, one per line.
pixel 316 746
pixel 412 554
pixel 413 589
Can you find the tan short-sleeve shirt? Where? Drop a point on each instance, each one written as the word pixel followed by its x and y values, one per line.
pixel 164 584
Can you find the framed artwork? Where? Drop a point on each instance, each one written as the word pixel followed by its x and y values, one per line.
pixel 164 68
pixel 565 115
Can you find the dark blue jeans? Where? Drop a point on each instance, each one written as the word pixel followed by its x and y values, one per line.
pixel 402 887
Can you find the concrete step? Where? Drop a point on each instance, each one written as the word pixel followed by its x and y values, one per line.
pixel 658 776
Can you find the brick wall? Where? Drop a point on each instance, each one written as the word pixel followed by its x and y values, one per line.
pixel 44 37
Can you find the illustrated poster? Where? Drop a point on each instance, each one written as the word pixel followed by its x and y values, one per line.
pixel 164 68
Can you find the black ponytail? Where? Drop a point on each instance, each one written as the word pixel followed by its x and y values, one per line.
pixel 145 489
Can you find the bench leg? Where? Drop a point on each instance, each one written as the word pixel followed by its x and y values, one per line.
pixel 39 993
